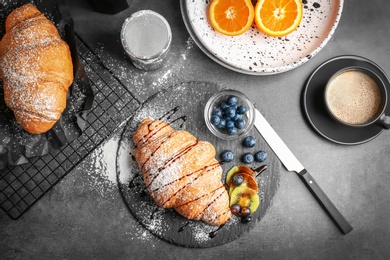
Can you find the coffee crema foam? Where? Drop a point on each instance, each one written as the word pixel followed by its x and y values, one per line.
pixel 353 97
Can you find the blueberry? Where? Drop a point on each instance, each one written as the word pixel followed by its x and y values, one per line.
pixel 237 179
pixel 217 112
pixel 236 117
pixel 249 141
pixel 232 100
pixel 240 123
pixel 229 124
pixel 222 123
pixel 232 131
pixel 223 106
pixel 234 106
pixel 247 158
pixel 230 112
pixel 227 156
pixel 260 156
pixel 246 219
pixel 241 110
pixel 245 211
pixel 235 208
pixel 215 120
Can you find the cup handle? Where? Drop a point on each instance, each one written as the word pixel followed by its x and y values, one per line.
pixel 385 120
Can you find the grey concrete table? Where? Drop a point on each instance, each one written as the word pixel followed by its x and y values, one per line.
pixel 84 217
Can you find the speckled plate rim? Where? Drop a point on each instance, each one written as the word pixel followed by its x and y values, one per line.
pixel 328 64
pixel 260 71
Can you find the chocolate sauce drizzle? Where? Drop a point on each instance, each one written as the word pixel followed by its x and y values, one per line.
pixel 163 119
pixel 183 227
pixel 178 155
pixel 198 198
pixel 204 170
pixel 184 118
pixel 260 170
pixel 172 160
pixel 168 115
pixel 214 233
pixel 212 202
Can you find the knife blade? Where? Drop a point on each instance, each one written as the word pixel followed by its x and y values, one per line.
pixel 292 164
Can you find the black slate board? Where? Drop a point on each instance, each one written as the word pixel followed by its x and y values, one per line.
pixel 166 224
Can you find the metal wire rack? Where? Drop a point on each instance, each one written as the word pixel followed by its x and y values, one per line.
pixel 23 185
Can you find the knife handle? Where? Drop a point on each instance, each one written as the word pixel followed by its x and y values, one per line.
pixel 325 202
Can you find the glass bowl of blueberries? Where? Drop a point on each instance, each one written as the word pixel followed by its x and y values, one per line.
pixel 229 114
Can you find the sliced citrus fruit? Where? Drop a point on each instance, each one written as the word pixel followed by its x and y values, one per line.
pixel 231 17
pixel 278 17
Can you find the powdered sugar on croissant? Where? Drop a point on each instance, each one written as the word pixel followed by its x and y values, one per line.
pixel 181 172
pixel 36 69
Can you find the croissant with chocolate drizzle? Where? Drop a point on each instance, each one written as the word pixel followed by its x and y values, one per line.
pixel 181 172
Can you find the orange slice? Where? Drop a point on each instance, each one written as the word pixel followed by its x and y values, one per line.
pixel 231 17
pixel 278 17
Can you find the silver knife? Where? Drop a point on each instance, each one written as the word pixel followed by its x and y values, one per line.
pixel 292 164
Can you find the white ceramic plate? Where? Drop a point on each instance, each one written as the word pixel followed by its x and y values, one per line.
pixel 255 53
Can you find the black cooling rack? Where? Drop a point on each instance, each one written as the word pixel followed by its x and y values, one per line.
pixel 23 185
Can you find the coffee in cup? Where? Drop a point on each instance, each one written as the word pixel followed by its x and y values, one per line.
pixel 356 96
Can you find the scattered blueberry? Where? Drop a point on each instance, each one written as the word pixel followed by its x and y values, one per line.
pixel 247 158
pixel 227 156
pixel 215 120
pixel 260 156
pixel 235 208
pixel 246 219
pixel 241 110
pixel 237 179
pixel 245 211
pixel 249 141
pixel 232 100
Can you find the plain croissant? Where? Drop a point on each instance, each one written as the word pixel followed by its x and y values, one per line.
pixel 36 69
pixel 181 172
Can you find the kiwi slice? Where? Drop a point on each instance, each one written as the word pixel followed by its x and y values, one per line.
pixel 245 197
pixel 248 181
pixel 237 169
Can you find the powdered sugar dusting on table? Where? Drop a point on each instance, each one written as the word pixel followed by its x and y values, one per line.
pixel 102 170
pixel 142 83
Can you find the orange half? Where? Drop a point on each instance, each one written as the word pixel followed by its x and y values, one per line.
pixel 231 17
pixel 278 17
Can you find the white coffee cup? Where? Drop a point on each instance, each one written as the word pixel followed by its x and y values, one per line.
pixel 356 96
